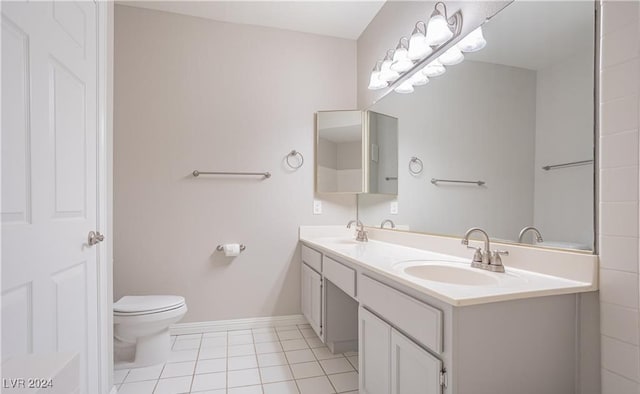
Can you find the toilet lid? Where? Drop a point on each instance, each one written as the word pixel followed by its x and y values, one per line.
pixel 155 303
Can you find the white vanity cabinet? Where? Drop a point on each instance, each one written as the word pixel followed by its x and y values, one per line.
pixel 328 300
pixel 410 342
pixel 392 363
pixel 311 291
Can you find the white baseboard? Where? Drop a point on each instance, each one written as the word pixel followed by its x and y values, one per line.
pixel 236 324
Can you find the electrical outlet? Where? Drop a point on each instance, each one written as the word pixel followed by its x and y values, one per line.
pixel 393 208
pixel 317 207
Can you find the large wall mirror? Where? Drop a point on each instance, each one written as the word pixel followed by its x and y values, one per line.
pixel 514 120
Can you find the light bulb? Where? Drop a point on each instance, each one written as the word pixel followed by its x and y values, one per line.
pixel 386 73
pixel 451 57
pixel 375 82
pixel 418 46
pixel 474 41
pixel 401 62
pixel 418 79
pixel 438 31
pixel 434 69
pixel 405 87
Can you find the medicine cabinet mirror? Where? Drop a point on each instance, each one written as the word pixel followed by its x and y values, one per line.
pixel 356 152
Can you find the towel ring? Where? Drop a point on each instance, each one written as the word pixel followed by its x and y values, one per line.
pixel 295 153
pixel 415 166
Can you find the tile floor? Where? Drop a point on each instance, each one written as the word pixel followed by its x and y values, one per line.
pixel 274 360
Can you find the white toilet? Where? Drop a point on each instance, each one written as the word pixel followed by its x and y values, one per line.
pixel 141 329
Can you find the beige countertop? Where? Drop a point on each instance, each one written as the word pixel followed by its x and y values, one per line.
pixel 392 259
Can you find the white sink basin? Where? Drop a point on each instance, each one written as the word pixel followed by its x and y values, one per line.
pixel 451 274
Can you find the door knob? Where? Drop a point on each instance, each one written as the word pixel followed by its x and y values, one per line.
pixel 95 237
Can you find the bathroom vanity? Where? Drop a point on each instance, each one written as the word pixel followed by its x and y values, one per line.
pixel 424 321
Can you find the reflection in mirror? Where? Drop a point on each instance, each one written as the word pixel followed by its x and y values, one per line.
pixel 339 158
pixel 526 101
pixel 383 153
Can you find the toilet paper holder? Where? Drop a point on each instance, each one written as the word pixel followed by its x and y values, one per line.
pixel 220 248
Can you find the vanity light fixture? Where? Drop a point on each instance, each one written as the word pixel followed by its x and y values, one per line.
pixel 376 82
pixel 386 73
pixel 404 87
pixel 418 46
pixel 401 61
pixel 434 69
pixel 451 57
pixel 418 49
pixel 473 42
pixel 438 29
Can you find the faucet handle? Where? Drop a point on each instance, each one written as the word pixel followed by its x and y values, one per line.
pixel 477 256
pixel 361 235
pixel 495 256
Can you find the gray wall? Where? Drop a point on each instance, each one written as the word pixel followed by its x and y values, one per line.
pixel 193 94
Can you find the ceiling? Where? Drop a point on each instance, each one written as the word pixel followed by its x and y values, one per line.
pixel 344 19
pixel 535 34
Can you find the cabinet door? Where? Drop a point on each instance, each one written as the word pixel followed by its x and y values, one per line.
pixel 312 298
pixel 375 347
pixel 413 369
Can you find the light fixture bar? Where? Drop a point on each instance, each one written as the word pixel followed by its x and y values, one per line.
pixel 427 51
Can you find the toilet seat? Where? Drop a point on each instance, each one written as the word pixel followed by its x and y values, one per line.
pixel 145 305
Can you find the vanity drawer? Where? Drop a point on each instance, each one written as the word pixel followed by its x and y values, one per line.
pixel 313 258
pixel 421 321
pixel 340 275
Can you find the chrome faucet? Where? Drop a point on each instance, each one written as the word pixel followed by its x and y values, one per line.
pixel 361 235
pixel 485 259
pixel 393 225
pixel 535 231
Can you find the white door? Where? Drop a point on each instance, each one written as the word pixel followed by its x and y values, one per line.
pixel 49 181
pixel 413 369
pixel 312 298
pixel 374 346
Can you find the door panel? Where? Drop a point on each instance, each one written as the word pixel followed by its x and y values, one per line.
pixel 374 358
pixel 49 181
pixel 16 305
pixel 413 369
pixel 67 109
pixel 312 298
pixel 16 193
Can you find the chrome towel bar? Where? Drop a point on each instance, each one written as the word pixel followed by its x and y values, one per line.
pixel 565 165
pixel 264 174
pixel 436 181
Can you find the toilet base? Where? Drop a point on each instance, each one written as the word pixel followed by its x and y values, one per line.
pixel 148 350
